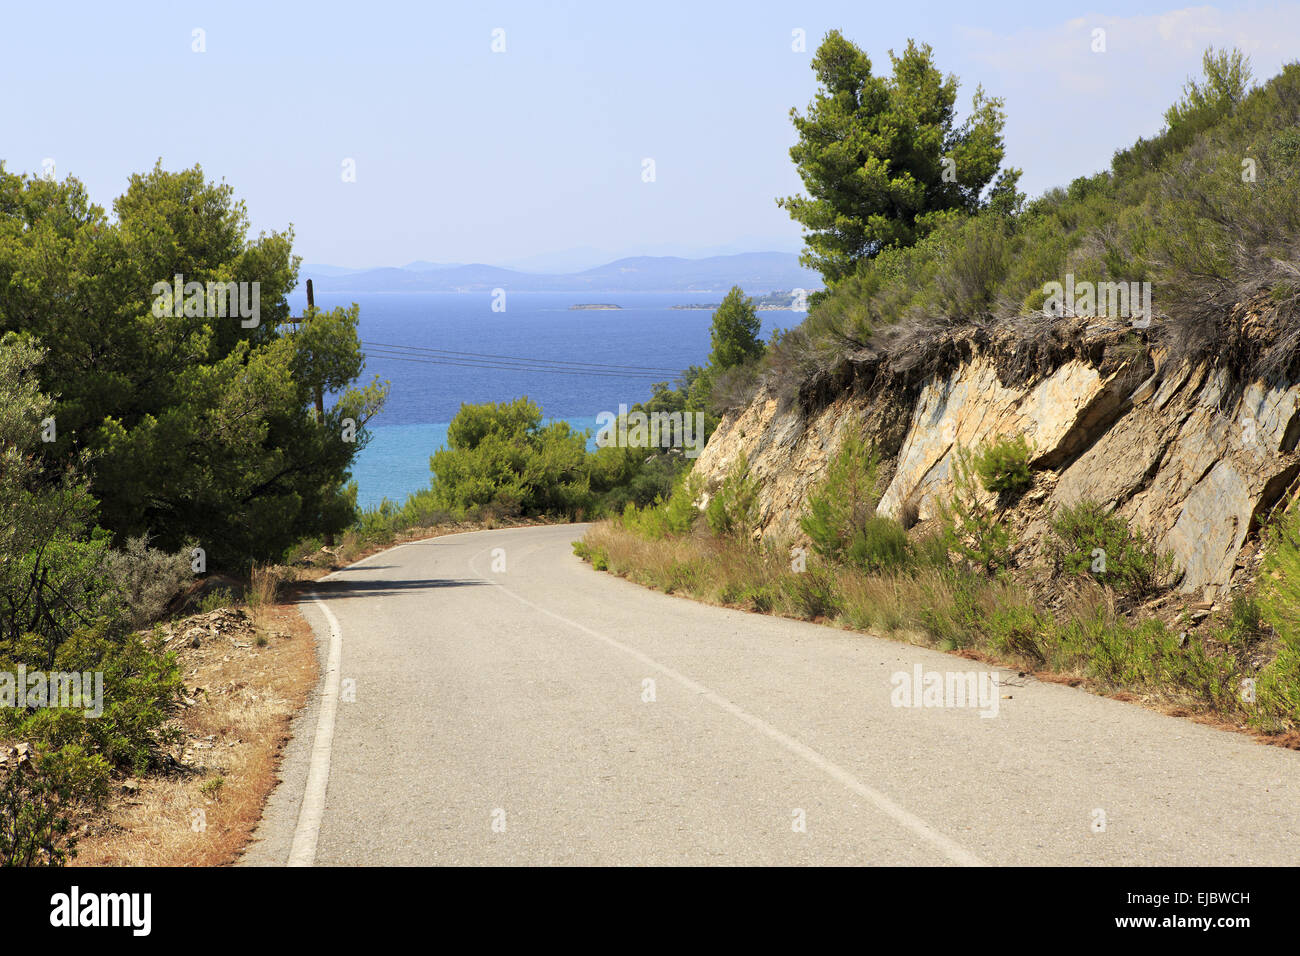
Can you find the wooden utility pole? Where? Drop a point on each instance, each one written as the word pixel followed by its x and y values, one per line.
pixel 320 397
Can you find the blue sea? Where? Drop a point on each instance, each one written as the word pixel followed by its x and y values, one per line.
pixel 424 397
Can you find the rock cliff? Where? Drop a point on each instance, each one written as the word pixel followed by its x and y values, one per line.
pixel 1194 451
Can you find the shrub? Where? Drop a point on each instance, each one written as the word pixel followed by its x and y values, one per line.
pixel 973 260
pixel 670 518
pixel 1003 466
pixel 879 545
pixel 733 509
pixel 146 578
pixel 680 513
pixel 1245 622
pixel 971 529
pixel 140 685
pixel 1278 684
pixel 595 555
pixel 1279 592
pixel 1087 538
pixel 812 593
pixel 1144 654
pixel 951 611
pixel 1018 630
pixel 503 456
pixel 842 507
pixel 37 797
pixel 213 600
pixel 759 597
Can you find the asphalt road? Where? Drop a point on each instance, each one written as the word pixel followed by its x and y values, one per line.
pixel 484 700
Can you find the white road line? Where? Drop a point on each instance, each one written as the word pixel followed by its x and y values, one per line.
pixel 302 852
pixel 949 848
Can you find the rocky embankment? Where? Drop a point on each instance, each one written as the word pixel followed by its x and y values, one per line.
pixel 1195 452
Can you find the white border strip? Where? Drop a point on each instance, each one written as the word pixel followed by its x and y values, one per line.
pixel 302 852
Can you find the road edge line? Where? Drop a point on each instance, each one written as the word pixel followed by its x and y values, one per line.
pixel 302 851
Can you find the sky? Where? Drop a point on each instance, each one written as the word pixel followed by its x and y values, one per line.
pixel 535 153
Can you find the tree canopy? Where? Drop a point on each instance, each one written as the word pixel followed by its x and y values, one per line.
pixel 881 155
pixel 198 425
pixel 735 332
pixel 1227 79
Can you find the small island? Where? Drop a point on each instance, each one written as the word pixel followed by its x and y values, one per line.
pixel 595 305
pixel 779 301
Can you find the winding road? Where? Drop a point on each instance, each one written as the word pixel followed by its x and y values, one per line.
pixel 487 698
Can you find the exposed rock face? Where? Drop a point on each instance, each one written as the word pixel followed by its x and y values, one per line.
pixel 1190 454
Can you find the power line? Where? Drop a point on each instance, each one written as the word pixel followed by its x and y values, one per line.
pixel 590 373
pixel 519 358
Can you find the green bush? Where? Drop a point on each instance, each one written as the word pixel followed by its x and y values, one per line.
pixel 141 683
pixel 1087 538
pixel 879 545
pixel 1017 630
pixel 37 798
pixel 759 597
pixel 733 508
pixel 955 622
pixel 1145 654
pixel 972 262
pixel 843 506
pixel 1278 683
pixel 971 529
pixel 597 556
pixel 1279 592
pixel 812 593
pixel 216 599
pixel 1003 466
pixel 502 457
pixel 665 519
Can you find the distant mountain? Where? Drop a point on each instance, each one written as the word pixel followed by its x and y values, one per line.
pixel 422 265
pixel 755 272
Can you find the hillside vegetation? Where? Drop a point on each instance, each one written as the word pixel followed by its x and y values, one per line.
pixel 162 420
pixel 1207 211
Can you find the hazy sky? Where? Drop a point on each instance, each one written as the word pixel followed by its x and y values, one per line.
pixel 463 154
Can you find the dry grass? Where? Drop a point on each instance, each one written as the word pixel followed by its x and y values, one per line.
pixel 265 584
pixel 243 697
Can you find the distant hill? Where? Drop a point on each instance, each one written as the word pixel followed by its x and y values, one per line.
pixel 755 272
pixel 422 265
